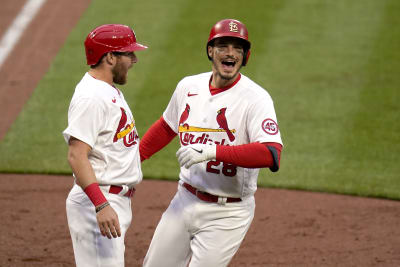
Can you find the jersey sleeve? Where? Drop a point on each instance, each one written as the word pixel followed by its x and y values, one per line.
pixel 170 114
pixel 86 118
pixel 262 123
pixel 156 137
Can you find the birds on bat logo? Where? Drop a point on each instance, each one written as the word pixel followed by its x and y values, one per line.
pixel 185 128
pixel 126 131
pixel 185 116
pixel 223 123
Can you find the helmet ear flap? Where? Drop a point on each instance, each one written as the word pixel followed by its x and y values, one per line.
pixel 246 56
pixel 208 44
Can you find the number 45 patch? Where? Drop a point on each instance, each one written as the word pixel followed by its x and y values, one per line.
pixel 270 126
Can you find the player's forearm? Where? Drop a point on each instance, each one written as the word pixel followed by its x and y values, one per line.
pixel 157 136
pixel 81 168
pixel 254 155
pixel 86 178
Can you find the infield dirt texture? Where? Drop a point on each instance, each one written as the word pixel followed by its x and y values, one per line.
pixel 290 228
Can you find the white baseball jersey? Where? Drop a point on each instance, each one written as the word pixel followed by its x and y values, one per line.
pixel 240 115
pixel 99 116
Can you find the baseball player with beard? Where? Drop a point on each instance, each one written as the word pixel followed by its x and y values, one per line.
pixel 228 130
pixel 103 150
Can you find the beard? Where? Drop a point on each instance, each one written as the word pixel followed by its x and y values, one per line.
pixel 222 75
pixel 119 74
pixel 227 77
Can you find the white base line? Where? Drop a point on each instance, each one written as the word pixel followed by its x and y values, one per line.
pixel 18 26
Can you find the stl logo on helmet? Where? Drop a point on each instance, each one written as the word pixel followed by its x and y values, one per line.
pixel 270 126
pixel 233 27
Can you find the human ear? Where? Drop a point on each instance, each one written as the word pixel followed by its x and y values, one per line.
pixel 110 58
pixel 209 51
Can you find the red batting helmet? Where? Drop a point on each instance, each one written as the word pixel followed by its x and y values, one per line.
pixel 110 38
pixel 231 28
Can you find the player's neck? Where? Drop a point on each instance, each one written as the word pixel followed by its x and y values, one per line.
pixel 219 82
pixel 102 75
pixel 224 84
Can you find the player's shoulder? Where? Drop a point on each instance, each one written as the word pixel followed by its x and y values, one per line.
pixel 193 82
pixel 252 89
pixel 196 78
pixel 90 89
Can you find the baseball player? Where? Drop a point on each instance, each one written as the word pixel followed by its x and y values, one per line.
pixel 227 129
pixel 103 150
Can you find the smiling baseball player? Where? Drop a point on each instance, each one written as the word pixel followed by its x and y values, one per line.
pixel 103 150
pixel 227 129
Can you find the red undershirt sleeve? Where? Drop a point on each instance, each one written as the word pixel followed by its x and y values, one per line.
pixel 253 155
pixel 157 136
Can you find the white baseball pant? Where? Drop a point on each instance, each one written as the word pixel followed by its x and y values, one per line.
pixel 204 233
pixel 91 249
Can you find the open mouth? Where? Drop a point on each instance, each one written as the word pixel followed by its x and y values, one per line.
pixel 228 63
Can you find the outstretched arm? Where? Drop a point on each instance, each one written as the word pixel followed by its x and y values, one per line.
pixel 157 136
pixel 253 155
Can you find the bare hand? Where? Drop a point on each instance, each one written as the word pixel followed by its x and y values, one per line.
pixel 108 222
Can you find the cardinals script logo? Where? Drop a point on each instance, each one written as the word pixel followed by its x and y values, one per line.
pixel 126 131
pixel 188 134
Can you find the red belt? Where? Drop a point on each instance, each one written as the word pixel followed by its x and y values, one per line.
pixel 115 189
pixel 206 196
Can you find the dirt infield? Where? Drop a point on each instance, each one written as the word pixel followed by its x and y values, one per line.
pixel 32 56
pixel 291 228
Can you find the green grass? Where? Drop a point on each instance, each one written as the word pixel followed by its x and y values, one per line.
pixel 339 121
pixel 331 67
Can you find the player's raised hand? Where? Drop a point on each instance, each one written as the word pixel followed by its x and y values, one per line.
pixel 192 154
pixel 108 222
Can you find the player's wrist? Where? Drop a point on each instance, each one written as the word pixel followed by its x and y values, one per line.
pixel 102 206
pixel 95 195
pixel 211 152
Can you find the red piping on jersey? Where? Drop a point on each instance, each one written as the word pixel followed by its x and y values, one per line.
pixel 215 91
pixel 117 90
